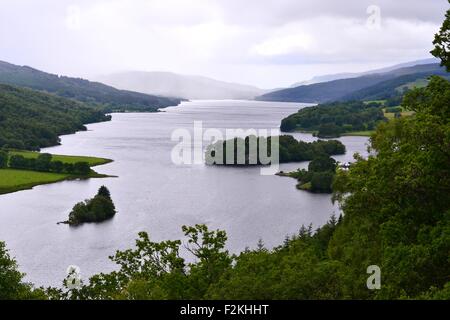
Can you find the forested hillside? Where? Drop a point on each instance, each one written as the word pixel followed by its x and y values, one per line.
pixel 31 119
pixel 389 89
pixel 333 119
pixel 110 98
pixel 380 85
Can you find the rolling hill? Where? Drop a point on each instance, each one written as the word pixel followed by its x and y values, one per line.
pixel 82 90
pixel 348 75
pixel 172 84
pixel 392 88
pixel 353 88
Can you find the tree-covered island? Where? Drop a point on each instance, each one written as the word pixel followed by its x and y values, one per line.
pixel 246 151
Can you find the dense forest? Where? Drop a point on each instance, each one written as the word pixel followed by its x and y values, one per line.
pixel 110 99
pixel 290 150
pixel 334 119
pixel 32 120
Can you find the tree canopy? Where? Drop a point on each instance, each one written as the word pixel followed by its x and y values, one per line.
pixel 12 286
pixel 441 42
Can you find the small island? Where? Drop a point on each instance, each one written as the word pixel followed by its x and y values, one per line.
pixel 97 209
pixel 319 176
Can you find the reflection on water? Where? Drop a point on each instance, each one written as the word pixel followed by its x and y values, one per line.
pixel 154 195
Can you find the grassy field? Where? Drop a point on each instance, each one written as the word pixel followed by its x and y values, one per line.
pixel 66 159
pixel 12 180
pixel 367 133
pixel 404 113
pixel 375 101
pixel 419 83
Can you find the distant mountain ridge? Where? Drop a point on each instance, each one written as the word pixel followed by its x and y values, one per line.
pixel 343 89
pixel 348 75
pixel 82 90
pixel 184 86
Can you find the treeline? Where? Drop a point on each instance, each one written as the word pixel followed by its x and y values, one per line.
pixel 290 150
pixel 32 120
pixel 43 163
pixel 334 119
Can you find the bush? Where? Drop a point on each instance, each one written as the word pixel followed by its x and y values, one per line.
pixel 322 163
pixel 43 162
pixel 321 182
pixel 82 168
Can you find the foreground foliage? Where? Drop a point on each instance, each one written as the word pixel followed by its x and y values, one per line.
pixel 441 43
pixel 11 280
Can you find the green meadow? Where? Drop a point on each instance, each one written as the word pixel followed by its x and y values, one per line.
pixel 367 133
pixel 12 180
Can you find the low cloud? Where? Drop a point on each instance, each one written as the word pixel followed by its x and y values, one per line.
pixel 260 42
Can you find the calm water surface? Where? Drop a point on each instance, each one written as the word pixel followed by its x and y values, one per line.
pixel 152 194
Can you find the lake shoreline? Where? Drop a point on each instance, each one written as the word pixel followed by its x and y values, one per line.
pixel 154 195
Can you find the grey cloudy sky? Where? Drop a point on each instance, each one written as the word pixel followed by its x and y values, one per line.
pixel 268 43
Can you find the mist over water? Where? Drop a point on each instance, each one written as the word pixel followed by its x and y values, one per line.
pixel 153 194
